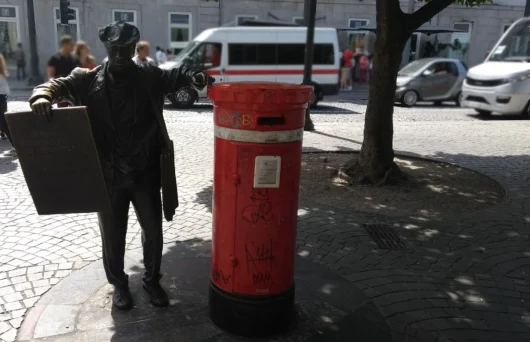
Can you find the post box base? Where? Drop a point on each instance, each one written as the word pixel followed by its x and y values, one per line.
pixel 252 316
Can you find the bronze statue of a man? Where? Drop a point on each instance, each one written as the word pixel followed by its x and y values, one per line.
pixel 123 101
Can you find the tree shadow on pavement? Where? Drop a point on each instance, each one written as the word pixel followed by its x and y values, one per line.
pixel 455 278
pixel 337 137
pixel 495 117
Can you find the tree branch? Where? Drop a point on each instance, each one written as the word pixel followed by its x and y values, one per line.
pixel 426 12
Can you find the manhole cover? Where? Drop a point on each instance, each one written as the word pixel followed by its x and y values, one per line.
pixel 384 236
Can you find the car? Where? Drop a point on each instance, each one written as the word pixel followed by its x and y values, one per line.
pixel 260 54
pixel 432 80
pixel 501 84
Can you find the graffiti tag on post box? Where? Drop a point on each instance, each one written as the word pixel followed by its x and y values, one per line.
pixel 259 259
pixel 234 119
pixel 219 277
pixel 261 209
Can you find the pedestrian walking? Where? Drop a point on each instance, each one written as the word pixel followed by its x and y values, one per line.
pixel 82 52
pixel 364 68
pixel 142 54
pixel 169 55
pixel 160 55
pixel 63 62
pixel 345 82
pixel 4 93
pixel 125 104
pixel 20 57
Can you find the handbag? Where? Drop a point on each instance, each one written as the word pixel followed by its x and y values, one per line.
pixel 170 197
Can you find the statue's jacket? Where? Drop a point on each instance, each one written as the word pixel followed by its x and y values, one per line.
pixel 89 88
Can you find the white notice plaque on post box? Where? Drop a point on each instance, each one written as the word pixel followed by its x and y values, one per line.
pixel 267 172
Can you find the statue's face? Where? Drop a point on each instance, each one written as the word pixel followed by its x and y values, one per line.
pixel 120 56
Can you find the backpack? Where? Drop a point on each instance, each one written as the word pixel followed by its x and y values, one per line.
pixel 364 63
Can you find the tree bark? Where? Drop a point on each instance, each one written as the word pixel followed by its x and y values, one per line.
pixel 375 163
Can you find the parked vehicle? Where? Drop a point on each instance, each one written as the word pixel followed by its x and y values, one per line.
pixel 273 54
pixel 430 79
pixel 502 83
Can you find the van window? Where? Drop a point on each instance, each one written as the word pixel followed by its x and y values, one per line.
pixel 206 56
pixel 291 54
pixel 274 54
pixel 251 54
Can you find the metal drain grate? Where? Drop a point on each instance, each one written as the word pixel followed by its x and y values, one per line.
pixel 384 236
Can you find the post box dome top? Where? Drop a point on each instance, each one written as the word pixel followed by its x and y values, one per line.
pixel 261 92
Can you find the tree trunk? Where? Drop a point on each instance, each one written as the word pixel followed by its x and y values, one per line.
pixel 375 163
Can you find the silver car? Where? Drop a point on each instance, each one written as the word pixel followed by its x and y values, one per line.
pixel 431 79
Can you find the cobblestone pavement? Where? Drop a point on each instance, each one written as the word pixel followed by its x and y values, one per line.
pixel 460 279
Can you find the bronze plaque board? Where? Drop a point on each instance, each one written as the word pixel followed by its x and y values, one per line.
pixel 59 161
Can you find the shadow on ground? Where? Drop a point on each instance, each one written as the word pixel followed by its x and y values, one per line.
pixel 323 108
pixel 328 307
pixel 497 117
pixel 465 277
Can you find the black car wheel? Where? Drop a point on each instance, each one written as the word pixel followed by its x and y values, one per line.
pixel 526 111
pixel 409 98
pixel 185 97
pixel 458 99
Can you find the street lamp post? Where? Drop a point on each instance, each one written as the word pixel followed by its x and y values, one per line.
pixel 310 9
pixel 35 77
pixel 527 9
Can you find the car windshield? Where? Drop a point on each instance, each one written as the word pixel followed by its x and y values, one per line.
pixel 186 50
pixel 413 67
pixel 515 46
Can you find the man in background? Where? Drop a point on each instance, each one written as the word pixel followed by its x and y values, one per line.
pixel 62 63
pixel 20 57
pixel 161 56
pixel 142 54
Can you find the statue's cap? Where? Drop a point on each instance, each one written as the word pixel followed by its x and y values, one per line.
pixel 119 33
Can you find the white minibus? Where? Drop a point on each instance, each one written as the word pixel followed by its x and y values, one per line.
pixel 271 54
pixel 502 83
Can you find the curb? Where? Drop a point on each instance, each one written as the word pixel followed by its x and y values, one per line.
pixel 425 159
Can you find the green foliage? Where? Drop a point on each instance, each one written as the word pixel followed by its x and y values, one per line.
pixel 469 3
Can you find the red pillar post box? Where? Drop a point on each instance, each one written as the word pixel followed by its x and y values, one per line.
pixel 258 147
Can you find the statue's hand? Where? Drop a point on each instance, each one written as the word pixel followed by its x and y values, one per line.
pixel 42 108
pixel 201 80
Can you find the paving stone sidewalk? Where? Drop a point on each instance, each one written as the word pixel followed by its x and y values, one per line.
pixel 329 308
pixel 460 279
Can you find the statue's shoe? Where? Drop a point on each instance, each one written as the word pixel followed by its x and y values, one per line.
pixel 122 298
pixel 157 295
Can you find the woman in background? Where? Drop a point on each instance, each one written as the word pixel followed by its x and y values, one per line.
pixel 82 51
pixel 364 69
pixel 4 93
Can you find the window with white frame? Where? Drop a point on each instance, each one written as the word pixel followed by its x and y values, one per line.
pixel 179 30
pixel 358 39
pixel 9 32
pixel 128 16
pixel 460 40
pixel 73 25
pixel 240 19
pixel 298 20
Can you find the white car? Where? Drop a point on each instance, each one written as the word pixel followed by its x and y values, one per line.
pixel 502 83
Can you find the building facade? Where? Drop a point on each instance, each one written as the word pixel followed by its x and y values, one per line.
pixel 171 23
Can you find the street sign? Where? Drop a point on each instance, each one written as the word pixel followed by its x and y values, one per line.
pixel 59 161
